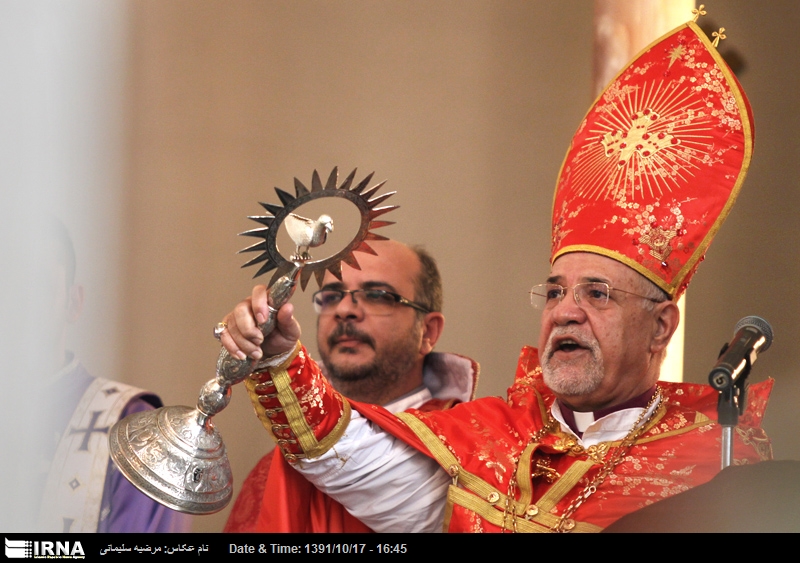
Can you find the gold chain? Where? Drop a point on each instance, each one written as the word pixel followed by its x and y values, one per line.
pixel 565 522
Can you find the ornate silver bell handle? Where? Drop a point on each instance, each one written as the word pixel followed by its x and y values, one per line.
pixel 216 393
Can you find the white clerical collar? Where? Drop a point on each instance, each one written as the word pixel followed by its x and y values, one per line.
pixel 583 420
pixel 610 428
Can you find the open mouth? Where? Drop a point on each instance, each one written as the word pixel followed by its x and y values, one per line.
pixel 567 345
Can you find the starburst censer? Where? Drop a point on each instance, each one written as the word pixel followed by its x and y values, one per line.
pixel 175 454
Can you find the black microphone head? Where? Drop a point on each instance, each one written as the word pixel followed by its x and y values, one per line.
pixel 759 324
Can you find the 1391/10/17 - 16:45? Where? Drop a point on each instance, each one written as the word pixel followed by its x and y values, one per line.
pixel 313 548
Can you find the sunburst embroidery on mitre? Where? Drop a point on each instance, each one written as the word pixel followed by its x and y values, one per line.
pixel 637 139
pixel 646 141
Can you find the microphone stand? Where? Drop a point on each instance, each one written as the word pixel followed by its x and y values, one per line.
pixel 731 403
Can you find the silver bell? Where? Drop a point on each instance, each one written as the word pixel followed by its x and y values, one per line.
pixel 175 456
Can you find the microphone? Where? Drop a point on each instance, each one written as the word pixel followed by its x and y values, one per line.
pixel 751 336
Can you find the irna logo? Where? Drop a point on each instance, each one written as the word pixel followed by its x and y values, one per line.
pixel 24 549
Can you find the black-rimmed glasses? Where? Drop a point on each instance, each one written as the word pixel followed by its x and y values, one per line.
pixel 373 301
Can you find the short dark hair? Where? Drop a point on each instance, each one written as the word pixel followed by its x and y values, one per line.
pixel 428 285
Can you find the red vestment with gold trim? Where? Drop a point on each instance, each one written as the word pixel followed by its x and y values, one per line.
pixel 489 439
pixel 483 443
pixel 276 498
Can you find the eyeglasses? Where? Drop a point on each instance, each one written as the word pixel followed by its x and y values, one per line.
pixel 594 294
pixel 373 301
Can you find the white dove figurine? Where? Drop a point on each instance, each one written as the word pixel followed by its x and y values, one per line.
pixel 307 234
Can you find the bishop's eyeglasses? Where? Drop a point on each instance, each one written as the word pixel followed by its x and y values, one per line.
pixel 545 296
pixel 377 302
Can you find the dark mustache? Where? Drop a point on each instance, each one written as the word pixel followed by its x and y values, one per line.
pixel 348 330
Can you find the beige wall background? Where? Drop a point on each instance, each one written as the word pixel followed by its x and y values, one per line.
pixel 467 108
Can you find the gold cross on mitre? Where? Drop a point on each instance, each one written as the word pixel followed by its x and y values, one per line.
pixel 718 35
pixel 699 12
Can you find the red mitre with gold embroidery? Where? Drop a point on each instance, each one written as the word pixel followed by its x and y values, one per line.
pixel 657 163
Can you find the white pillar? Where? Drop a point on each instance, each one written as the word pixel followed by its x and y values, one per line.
pixel 61 115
